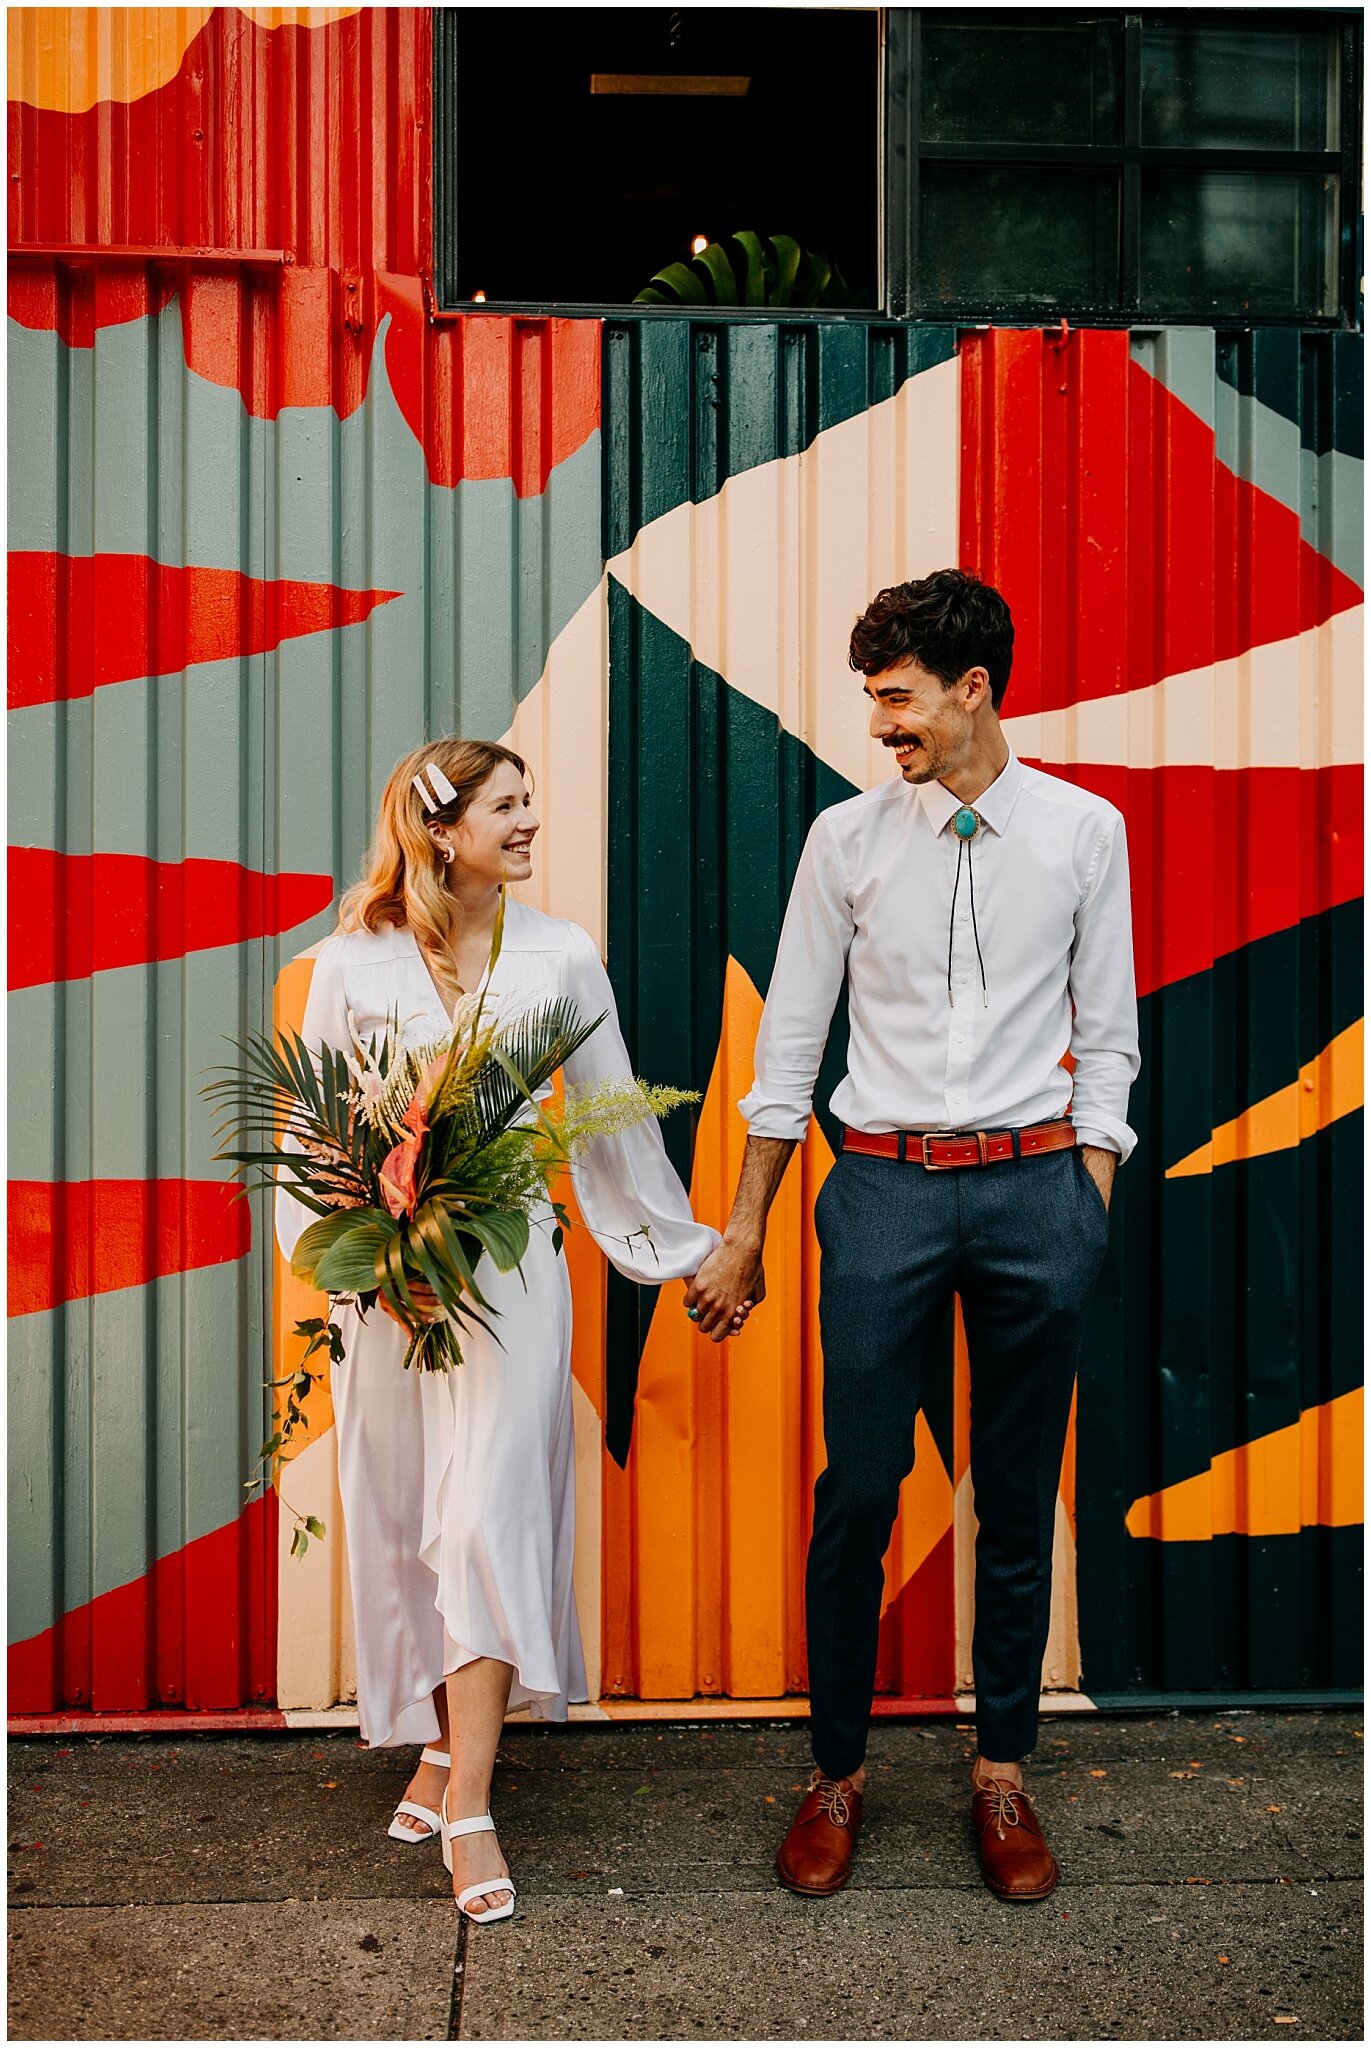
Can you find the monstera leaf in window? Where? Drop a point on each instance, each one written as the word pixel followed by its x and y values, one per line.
pixel 750 270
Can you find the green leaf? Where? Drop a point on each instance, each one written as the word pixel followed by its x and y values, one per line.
pixel 788 254
pixel 504 1233
pixel 715 261
pixel 557 1237
pixel 315 1526
pixel 299 1543
pixel 318 1239
pixel 754 282
pixel 685 283
pixel 349 1264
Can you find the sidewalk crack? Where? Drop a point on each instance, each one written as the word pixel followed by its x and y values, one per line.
pixel 459 1977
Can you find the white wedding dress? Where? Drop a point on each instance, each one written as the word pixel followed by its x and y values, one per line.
pixel 458 1488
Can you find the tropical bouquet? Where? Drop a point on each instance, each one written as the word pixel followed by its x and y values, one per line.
pixel 416 1159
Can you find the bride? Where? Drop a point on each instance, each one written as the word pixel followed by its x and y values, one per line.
pixel 458 1487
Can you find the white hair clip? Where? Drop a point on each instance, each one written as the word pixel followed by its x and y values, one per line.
pixel 443 791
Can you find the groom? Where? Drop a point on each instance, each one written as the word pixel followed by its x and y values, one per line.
pixel 979 911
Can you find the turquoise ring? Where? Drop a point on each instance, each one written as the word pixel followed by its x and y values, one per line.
pixel 694 1314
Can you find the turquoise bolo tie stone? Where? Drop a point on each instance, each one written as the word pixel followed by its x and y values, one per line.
pixel 966 824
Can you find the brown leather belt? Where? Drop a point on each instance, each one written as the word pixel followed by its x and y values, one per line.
pixel 938 1150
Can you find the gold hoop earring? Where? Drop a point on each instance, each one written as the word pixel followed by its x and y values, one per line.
pixel 447 856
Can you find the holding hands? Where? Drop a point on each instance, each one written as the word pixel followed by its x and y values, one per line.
pixel 723 1294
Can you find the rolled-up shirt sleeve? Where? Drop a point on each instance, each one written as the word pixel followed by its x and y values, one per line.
pixel 1104 1031
pixel 811 961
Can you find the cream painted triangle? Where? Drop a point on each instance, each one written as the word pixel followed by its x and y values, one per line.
pixel 763 580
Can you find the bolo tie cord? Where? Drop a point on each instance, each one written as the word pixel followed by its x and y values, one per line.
pixel 964 847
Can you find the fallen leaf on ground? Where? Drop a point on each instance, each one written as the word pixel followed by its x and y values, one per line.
pixel 1099 1774
pixel 1180 1774
pixel 1273 1809
pixel 1223 1959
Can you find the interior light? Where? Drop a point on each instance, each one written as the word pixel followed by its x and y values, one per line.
pixel 668 85
pixel 478 298
pixel 698 244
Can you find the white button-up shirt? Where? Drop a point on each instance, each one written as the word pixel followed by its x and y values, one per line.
pixel 874 899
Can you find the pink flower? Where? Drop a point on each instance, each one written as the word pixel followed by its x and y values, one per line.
pixel 398 1189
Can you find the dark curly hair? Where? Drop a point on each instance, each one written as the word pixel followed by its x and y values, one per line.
pixel 949 621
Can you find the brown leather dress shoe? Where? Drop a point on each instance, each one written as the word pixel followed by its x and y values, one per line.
pixel 1015 1860
pixel 816 1856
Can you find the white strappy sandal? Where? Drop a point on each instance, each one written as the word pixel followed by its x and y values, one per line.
pixel 479 1824
pixel 432 1821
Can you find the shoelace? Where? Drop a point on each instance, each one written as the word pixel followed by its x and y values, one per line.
pixel 832 1799
pixel 1003 1803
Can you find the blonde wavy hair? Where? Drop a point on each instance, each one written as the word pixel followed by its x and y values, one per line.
pixel 403 881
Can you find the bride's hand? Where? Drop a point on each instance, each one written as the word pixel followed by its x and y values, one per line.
pixel 427 1306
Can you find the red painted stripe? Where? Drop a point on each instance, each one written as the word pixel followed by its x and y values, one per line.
pixel 1220 858
pixel 241 1721
pixel 79 621
pixel 70 1239
pixel 488 397
pixel 73 914
pixel 197 1631
pixel 1095 501
pixel 917 1644
pixel 311 139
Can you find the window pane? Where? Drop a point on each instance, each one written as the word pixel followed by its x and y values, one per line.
pixel 1013 238
pixel 1239 88
pixel 595 144
pixel 1047 81
pixel 1234 243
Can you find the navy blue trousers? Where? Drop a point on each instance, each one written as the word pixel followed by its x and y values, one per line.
pixel 1021 1242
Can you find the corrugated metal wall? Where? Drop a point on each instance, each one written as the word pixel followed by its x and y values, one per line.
pixel 269 522
pixel 1175 520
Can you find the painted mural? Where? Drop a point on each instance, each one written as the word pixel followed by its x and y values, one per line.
pixel 271 519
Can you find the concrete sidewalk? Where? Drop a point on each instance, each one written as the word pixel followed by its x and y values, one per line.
pixel 243 1888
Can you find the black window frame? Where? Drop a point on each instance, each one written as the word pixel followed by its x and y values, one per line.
pixel 906 152
pixel 901 151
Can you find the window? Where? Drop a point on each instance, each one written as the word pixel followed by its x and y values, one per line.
pixel 1171 167
pixel 578 151
pixel 1114 168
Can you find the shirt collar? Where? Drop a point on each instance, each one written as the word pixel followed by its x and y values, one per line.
pixel 992 806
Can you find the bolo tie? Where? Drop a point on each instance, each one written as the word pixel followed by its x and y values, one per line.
pixel 966 824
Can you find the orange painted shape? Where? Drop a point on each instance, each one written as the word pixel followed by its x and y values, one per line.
pixel 1307 1475
pixel 1330 1086
pixel 68 59
pixel 291 1300
pixel 705 1533
pixel 1066 1486
pixel 925 1515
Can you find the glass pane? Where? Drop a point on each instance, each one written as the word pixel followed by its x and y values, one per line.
pixel 1235 243
pixel 1239 88
pixel 1013 238
pixel 990 81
